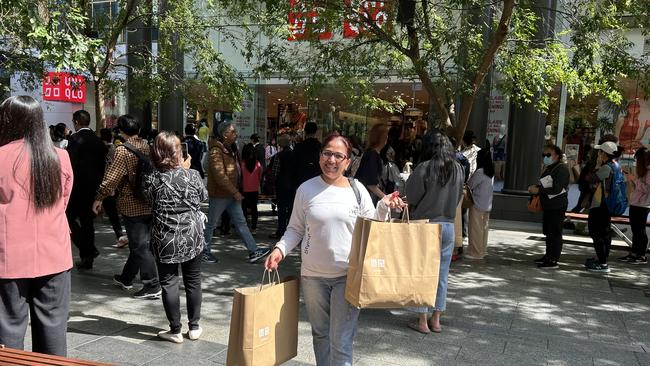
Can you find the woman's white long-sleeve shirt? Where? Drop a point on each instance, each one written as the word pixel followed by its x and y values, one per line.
pixel 322 222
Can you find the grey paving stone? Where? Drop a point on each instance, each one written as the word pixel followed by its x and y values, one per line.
pixel 121 352
pixel 643 358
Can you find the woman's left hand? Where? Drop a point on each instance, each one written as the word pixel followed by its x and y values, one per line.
pixel 533 189
pixel 187 162
pixel 393 201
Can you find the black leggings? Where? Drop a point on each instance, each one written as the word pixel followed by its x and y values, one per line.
pixel 250 203
pixel 169 281
pixel 599 230
pixel 638 217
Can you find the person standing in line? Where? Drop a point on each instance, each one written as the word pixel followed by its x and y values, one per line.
pixel 60 136
pixel 371 165
pixel 195 148
pixel 270 151
pixel 176 192
pixel 433 192
pixel 110 203
pixel 251 180
pixel 322 223
pixel 481 186
pixel 307 155
pixel 285 188
pixel 600 218
pixel 120 176
pixel 260 151
pixel 458 220
pixel 224 182
pixel 639 208
pixel 35 242
pixel 552 187
pixel 88 159
pixel 470 151
pixel 203 132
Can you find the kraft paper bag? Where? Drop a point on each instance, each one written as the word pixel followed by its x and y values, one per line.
pixel 393 264
pixel 264 324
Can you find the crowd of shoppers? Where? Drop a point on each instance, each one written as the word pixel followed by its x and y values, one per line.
pixel 158 191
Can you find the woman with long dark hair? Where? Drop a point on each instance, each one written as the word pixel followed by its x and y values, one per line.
pixel 35 245
pixel 481 186
pixel 175 192
pixel 251 180
pixel 433 192
pixel 639 208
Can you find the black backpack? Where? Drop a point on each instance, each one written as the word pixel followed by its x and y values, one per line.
pixel 144 168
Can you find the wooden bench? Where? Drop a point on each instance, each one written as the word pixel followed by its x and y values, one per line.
pixel 10 356
pixel 621 220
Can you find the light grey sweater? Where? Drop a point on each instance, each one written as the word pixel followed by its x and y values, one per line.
pixel 429 200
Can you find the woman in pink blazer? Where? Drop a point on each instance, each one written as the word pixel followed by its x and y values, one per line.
pixel 35 253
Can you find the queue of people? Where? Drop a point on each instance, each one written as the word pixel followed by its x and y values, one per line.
pixel 158 189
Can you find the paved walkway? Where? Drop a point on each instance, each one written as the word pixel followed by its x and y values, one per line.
pixel 501 311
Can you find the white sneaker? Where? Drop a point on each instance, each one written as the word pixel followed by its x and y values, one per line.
pixel 168 336
pixel 194 334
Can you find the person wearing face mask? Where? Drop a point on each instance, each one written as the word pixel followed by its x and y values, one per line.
pixel 639 208
pixel 552 189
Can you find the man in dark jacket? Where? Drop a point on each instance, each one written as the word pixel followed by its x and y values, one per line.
pixel 195 148
pixel 88 159
pixel 284 164
pixel 260 151
pixel 307 155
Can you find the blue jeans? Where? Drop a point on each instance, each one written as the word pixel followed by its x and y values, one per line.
pixel 333 320
pixel 233 207
pixel 446 249
pixel 138 230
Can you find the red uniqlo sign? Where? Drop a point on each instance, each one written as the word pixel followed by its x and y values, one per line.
pixel 64 87
pixel 374 10
pixel 303 23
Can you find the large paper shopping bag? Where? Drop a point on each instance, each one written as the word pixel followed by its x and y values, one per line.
pixel 264 324
pixel 393 264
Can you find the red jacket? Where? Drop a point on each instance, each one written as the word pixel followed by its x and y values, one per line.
pixel 31 244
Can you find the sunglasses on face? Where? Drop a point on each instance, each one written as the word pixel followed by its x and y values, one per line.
pixel 337 156
pixel 547 155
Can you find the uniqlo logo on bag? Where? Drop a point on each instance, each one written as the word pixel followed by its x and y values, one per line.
pixel 263 332
pixel 377 263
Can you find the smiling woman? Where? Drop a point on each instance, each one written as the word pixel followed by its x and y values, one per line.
pixel 323 219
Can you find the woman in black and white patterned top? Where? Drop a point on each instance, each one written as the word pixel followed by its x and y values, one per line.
pixel 176 193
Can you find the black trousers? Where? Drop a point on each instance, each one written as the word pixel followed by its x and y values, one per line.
pixel 43 300
pixel 81 220
pixel 250 203
pixel 638 217
pixel 110 207
pixel 599 230
pixel 138 230
pixel 169 282
pixel 552 224
pixel 285 206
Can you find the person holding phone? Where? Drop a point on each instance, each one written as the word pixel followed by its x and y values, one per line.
pixel 175 193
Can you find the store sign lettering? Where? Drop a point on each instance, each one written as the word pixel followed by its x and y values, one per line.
pixel 375 11
pixel 303 23
pixel 64 87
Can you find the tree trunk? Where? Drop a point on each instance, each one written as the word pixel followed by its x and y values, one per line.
pixel 99 105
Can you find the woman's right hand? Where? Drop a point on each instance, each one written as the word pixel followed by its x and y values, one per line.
pixel 273 260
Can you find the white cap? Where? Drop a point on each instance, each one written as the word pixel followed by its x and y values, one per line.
pixel 608 147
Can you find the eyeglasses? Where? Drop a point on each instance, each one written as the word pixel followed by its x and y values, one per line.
pixel 337 156
pixel 547 155
pixel 232 132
